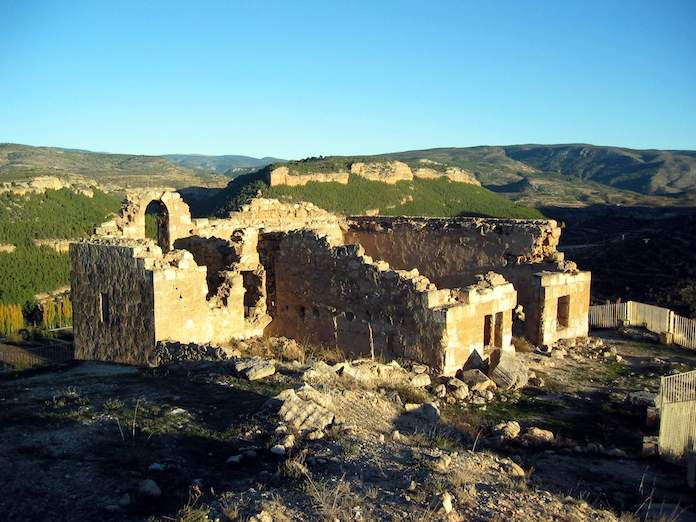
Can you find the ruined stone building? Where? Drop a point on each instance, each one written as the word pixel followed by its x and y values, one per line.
pixel 433 290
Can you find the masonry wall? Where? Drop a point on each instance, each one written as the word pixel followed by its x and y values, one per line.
pixel 451 252
pixel 113 304
pixel 184 313
pixel 334 295
pixel 555 285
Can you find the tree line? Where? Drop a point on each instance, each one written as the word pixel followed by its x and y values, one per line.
pixel 52 313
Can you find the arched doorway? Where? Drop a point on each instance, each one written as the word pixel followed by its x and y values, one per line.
pixel 157 223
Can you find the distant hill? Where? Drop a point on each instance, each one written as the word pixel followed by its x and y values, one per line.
pixel 21 162
pixel 533 175
pixel 220 164
pixel 418 197
pixel 575 173
pixel 561 175
pixel 652 172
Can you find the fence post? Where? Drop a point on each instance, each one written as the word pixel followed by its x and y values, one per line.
pixel 628 309
pixel 691 469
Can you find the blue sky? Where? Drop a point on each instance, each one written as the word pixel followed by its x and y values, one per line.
pixel 299 78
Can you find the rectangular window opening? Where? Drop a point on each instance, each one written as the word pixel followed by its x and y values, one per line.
pixel 104 307
pixel 253 291
pixel 563 312
pixel 498 337
pixel 487 329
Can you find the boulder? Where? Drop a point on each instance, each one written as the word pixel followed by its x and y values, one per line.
pixel 508 430
pixel 507 370
pixel 306 409
pixel 427 411
pixel 476 380
pixel 538 437
pixel 254 368
pixel 421 380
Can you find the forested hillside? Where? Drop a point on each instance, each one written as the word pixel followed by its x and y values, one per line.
pixel 419 197
pixel 61 214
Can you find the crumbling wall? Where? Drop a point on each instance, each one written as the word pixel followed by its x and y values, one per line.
pixel 113 301
pixel 333 294
pixel 451 252
pixel 271 215
pixel 552 288
pixel 182 310
pixel 130 223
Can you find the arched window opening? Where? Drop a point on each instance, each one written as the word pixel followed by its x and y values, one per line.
pixel 157 224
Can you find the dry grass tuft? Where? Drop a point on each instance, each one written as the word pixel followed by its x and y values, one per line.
pixel 333 501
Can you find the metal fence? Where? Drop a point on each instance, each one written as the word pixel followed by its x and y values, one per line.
pixel 682 330
pixel 18 357
pixel 677 416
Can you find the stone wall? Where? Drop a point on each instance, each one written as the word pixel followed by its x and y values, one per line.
pixel 183 311
pixel 553 286
pixel 285 269
pixel 451 252
pixel 130 223
pixel 270 215
pixel 113 301
pixel 332 294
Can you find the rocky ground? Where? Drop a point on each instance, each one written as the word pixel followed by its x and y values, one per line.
pixel 269 430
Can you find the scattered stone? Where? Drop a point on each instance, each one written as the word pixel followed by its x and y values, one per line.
pixel 443 462
pixel 419 368
pixel 421 380
pixel 305 410
pixel 515 470
pixel 427 411
pixel 234 459
pixel 447 502
pixel 156 466
pixel 509 430
pixel 315 435
pixel 457 383
pixel 278 449
pixel 149 488
pixel 288 441
pixel 440 391
pixel 396 436
pixel 461 393
pixel 538 437
pixel 255 368
pixel 507 370
pixel 477 380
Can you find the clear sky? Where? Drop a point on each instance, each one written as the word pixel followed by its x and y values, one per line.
pixel 298 78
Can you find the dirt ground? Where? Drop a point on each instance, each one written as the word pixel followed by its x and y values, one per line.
pixel 87 441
